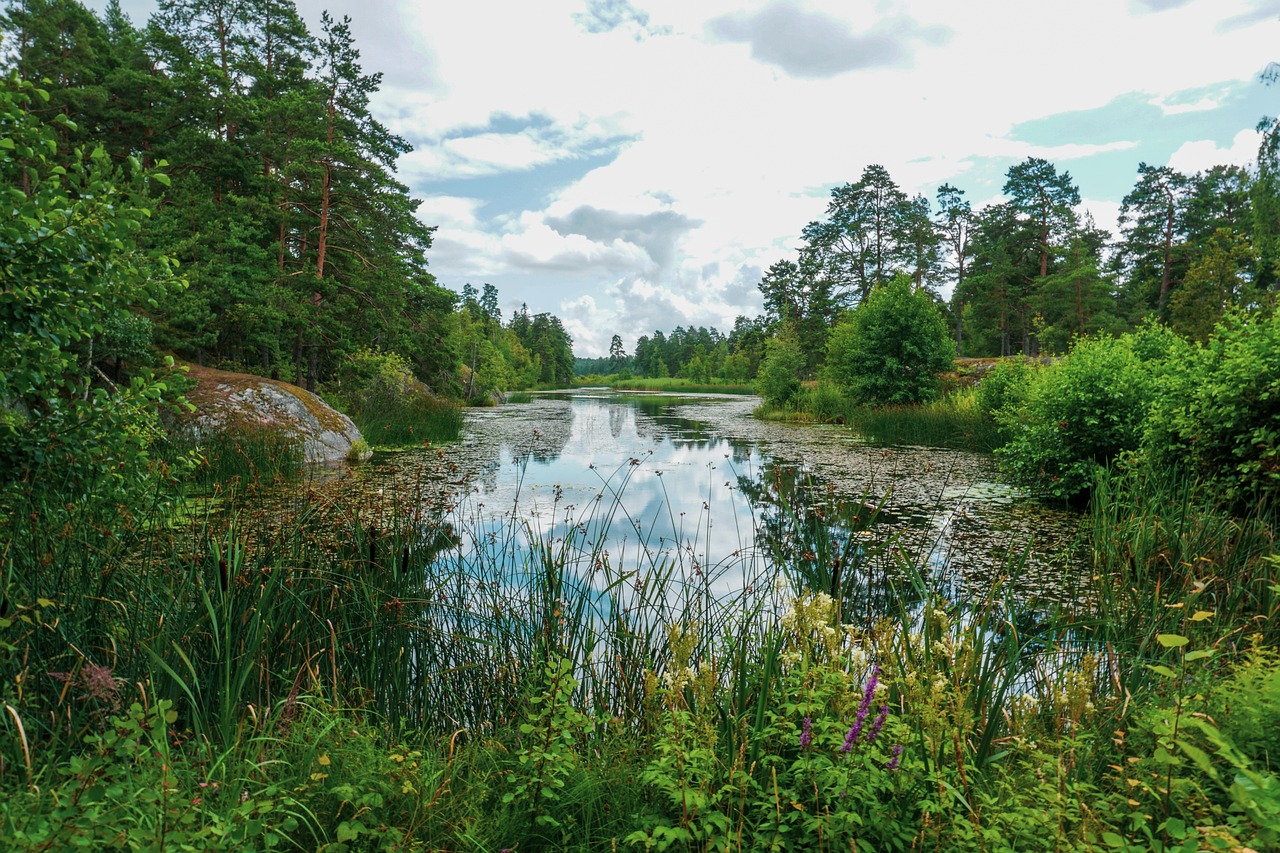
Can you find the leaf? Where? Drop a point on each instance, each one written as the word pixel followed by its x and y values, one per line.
pixel 1112 840
pixel 1161 669
pixel 1171 641
pixel 1201 615
pixel 324 761
pixel 1198 654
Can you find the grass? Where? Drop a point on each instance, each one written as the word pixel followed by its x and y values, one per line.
pixel 337 665
pixel 954 420
pixel 233 459
pixel 678 385
pixel 407 420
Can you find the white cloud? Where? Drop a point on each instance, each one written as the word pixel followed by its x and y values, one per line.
pixel 1202 154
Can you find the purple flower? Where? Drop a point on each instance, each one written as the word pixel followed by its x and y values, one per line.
pixel 806 733
pixel 875 727
pixel 864 707
pixel 897 757
pixel 870 692
pixel 850 738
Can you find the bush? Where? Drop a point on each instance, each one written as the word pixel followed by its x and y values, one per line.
pixel 825 403
pixel 1004 386
pixel 1084 411
pixel 1218 412
pixel 892 348
pixel 779 379
pixel 388 403
pixel 72 273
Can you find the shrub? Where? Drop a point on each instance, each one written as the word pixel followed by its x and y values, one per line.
pixel 1218 412
pixel 1004 386
pixel 779 379
pixel 388 403
pixel 1084 411
pixel 892 348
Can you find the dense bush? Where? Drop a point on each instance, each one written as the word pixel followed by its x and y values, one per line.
pixel 892 347
pixel 1084 411
pixel 388 403
pixel 779 378
pixel 72 275
pixel 1218 412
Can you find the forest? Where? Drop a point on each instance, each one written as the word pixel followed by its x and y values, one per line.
pixel 274 189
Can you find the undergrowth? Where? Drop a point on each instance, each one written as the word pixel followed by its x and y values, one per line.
pixel 345 671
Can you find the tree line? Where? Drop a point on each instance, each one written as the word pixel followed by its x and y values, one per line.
pixel 1027 275
pixel 297 242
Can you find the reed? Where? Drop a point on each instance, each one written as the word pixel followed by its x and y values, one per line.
pixel 235 459
pixel 407 419
pixel 954 421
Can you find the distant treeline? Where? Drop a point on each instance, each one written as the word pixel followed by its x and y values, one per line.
pixel 1028 275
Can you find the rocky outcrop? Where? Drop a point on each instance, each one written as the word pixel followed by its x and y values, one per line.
pixel 229 401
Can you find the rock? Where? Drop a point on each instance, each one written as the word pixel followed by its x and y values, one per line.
pixel 228 401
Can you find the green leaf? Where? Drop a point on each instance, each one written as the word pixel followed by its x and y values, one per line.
pixel 1161 669
pixel 1171 641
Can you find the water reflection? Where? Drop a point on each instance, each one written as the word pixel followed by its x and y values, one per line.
pixel 697 488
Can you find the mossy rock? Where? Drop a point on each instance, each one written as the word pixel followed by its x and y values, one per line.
pixel 238 401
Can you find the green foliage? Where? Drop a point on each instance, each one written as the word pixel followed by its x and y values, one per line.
pixel 779 378
pixel 250 455
pixel 1004 386
pixel 70 272
pixel 1214 284
pixel 1218 410
pixel 131 789
pixel 1183 778
pixel 1084 411
pixel 389 405
pixel 548 754
pixel 892 347
pixel 820 766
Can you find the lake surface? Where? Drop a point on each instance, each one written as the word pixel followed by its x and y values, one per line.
pixel 696 486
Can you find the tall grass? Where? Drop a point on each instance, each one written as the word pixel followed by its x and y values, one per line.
pixel 679 385
pixel 352 665
pixel 954 421
pixel 232 459
pixel 1163 552
pixel 407 420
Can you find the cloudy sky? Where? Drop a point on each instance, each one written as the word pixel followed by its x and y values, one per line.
pixel 632 165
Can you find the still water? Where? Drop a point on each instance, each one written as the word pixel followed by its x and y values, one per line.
pixel 698 485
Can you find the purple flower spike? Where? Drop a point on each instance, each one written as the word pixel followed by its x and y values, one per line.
pixel 806 734
pixel 897 757
pixel 875 727
pixel 850 738
pixel 870 692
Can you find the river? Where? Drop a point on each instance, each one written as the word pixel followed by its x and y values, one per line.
pixel 698 487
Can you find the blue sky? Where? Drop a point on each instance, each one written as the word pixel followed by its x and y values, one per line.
pixel 633 165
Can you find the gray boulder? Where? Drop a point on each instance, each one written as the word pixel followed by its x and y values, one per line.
pixel 230 401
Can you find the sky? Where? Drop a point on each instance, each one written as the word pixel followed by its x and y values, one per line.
pixel 636 165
